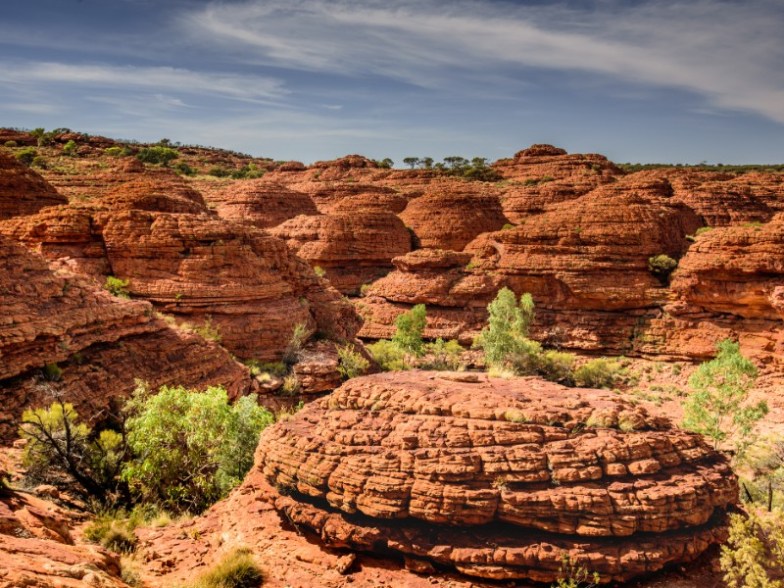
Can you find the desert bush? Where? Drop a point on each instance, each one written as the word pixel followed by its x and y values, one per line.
pixel 762 471
pixel 69 149
pixel 351 362
pixel 26 155
pixel 157 154
pixel 662 266
pixel 184 169
pixel 389 356
pixel 319 271
pixel 10 144
pixel 259 368
pixel 237 569
pixel 753 556
pixel 597 373
pixel 117 287
pixel 442 355
pixel 190 448
pixel 59 443
pixel 557 366
pixel 572 575
pixel 218 172
pixel 299 335
pixel 291 385
pixel 507 328
pixel 718 405
pixel 409 329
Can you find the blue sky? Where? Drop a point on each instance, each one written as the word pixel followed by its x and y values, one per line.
pixel 654 81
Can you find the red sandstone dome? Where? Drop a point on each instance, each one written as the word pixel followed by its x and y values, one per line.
pixel 499 479
pixel 261 204
pixel 23 191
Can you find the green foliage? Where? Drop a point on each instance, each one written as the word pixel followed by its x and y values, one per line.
pixel 117 151
pixel 208 331
pixel 260 368
pixel 218 172
pixel 10 144
pixel 249 171
pixel 319 271
pixel 117 287
pixel 763 466
pixel 597 373
pixel 364 289
pixel 662 266
pixel 409 329
pixel 184 169
pixel 69 148
pixel 557 366
pixel 507 227
pixel 754 554
pixel 718 404
pixel 442 355
pixel 385 163
pixel 237 569
pixel 351 362
pixel 412 162
pixel 389 356
pixel 291 385
pixel 52 372
pixel 702 231
pixel 59 443
pixel 504 338
pixel 299 335
pixel 114 531
pixel 572 575
pixel 26 155
pixel 157 154
pixel 190 448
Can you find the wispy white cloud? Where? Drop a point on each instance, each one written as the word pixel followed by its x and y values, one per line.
pixel 729 52
pixel 160 80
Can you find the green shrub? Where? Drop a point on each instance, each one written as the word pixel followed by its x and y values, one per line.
pixel 10 144
pixel 442 355
pixel 319 271
pixel 184 169
pixel 718 404
pixel 507 328
pixel 117 287
pixel 26 155
pixel 157 154
pixel 218 172
pixel 702 231
pixel 259 368
pixel 662 266
pixel 351 362
pixel 507 227
pixel 557 366
pixel 572 575
pixel 69 149
pixel 237 569
pixel 754 554
pixel 364 289
pixel 190 448
pixel 208 331
pixel 299 335
pixel 114 151
pixel 597 373
pixel 409 329
pixel 52 372
pixel 389 356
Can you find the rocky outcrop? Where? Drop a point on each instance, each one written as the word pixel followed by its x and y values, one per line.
pixel 729 284
pixel 232 281
pixel 455 297
pixel 499 479
pixel 452 213
pixel 60 336
pixel 37 549
pixel 22 190
pixel 353 248
pixel 261 204
pixel 543 175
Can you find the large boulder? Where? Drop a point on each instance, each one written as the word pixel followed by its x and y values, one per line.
pixel 22 190
pixel 499 479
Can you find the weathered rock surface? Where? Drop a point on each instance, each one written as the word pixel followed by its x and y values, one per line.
pixel 452 213
pixel 543 175
pixel 499 479
pixel 38 551
pixel 353 248
pixel 22 190
pixel 261 204
pixel 244 283
pixel 97 343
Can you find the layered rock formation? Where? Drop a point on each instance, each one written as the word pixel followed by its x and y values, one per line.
pixel 261 204
pixel 244 285
pixel 22 191
pixel 353 248
pixel 452 213
pixel 60 336
pixel 543 175
pixel 37 549
pixel 499 479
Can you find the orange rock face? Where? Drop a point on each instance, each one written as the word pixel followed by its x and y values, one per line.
pixel 452 213
pixel 37 549
pixel 156 234
pixel 261 204
pixel 499 479
pixel 353 248
pixel 99 343
pixel 22 191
